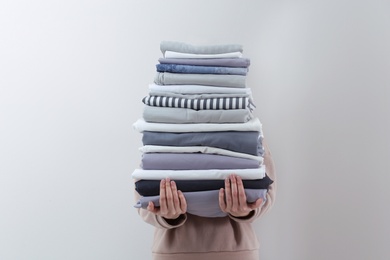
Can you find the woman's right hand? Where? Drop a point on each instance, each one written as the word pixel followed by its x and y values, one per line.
pixel 172 201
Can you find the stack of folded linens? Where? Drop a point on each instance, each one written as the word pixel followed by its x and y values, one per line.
pixel 198 127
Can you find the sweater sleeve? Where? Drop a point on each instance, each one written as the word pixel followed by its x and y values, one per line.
pixel 158 221
pixel 270 169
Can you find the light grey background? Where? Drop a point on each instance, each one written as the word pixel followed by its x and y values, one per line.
pixel 72 76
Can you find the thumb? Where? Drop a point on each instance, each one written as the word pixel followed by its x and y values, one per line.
pixel 151 208
pixel 256 204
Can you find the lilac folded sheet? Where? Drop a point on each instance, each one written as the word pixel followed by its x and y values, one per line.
pixel 194 161
pixel 205 203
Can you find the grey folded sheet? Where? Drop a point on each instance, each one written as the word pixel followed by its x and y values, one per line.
pixel 227 62
pixel 242 142
pixel 190 116
pixel 233 81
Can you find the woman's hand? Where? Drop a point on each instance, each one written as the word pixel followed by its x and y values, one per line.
pixel 232 199
pixel 172 201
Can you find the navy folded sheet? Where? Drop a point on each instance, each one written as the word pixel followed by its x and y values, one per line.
pixel 152 187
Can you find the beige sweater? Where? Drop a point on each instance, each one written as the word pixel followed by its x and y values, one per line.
pixel 193 237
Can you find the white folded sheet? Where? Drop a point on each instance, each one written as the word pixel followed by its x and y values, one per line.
pixel 182 55
pixel 252 125
pixel 198 89
pixel 246 174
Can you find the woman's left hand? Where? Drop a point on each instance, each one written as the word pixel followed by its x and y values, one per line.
pixel 232 198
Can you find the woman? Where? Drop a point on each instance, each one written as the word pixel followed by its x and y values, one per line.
pixel 184 236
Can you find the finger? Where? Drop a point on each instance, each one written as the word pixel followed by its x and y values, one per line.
pixel 222 203
pixel 228 195
pixel 170 204
pixel 175 195
pixel 235 205
pixel 256 204
pixel 163 198
pixel 241 192
pixel 151 208
pixel 183 202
